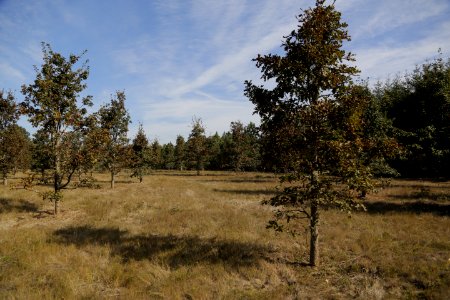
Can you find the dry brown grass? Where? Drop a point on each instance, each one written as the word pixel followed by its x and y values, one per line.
pixel 179 236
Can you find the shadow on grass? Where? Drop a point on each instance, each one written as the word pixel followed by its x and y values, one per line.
pixel 176 251
pixel 243 180
pixel 116 181
pixel 247 192
pixel 192 174
pixel 424 195
pixel 381 207
pixel 7 205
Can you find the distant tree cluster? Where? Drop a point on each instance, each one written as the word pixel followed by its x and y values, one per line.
pixel 236 150
pixel 15 144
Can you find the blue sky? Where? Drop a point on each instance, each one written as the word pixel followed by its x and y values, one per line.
pixel 177 59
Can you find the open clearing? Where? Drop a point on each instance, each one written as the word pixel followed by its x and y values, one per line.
pixel 180 236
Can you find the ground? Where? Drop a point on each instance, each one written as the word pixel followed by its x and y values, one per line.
pixel 181 236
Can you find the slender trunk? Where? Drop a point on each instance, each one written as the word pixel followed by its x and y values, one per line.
pixel 56 207
pixel 314 240
pixel 57 177
pixel 199 166
pixel 112 179
pixel 314 223
pixel 5 180
pixel 140 179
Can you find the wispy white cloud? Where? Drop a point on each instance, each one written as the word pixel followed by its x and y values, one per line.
pixel 6 70
pixel 385 61
pixel 371 19
pixel 231 62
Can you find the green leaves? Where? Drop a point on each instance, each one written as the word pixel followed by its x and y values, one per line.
pixel 114 120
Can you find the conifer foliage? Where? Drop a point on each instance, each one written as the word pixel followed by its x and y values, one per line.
pixel 140 154
pixel 196 146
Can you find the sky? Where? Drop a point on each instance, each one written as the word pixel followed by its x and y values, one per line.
pixel 176 59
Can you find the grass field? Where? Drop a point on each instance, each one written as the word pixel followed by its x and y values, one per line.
pixel 180 236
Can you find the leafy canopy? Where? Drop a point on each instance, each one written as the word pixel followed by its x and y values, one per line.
pixel 315 118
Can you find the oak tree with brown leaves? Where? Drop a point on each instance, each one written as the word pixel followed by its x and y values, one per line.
pixel 114 120
pixel 315 115
pixel 53 105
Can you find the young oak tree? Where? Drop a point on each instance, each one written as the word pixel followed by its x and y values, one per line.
pixel 52 105
pixel 114 120
pixel 316 117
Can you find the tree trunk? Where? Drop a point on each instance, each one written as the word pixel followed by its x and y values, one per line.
pixel 314 223
pixel 112 179
pixel 5 180
pixel 56 207
pixel 314 228
pixel 140 179
pixel 57 176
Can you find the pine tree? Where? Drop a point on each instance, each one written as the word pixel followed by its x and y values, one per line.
pixel 141 154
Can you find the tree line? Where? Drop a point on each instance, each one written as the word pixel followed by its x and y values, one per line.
pixel 413 109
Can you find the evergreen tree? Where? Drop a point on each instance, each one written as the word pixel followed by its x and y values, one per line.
pixel 196 145
pixel 141 154
pixel 156 155
pixel 168 156
pixel 214 144
pixel 179 153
